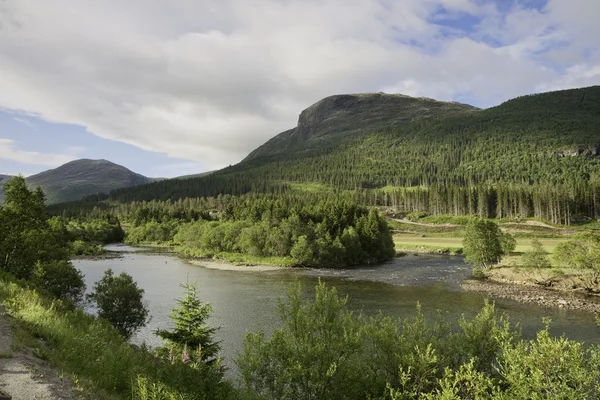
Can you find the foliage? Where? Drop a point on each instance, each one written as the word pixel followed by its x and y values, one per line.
pixel 549 368
pixel 316 354
pixel 323 351
pixel 81 248
pixel 27 237
pixel 191 335
pixel 482 244
pixel 94 354
pixel 507 243
pixel 537 257
pixel 120 301
pixel 581 252
pixel 328 233
pixel 99 230
pixel 61 279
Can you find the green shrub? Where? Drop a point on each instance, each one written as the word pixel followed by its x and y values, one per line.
pixel 120 302
pixel 61 279
pixel 537 257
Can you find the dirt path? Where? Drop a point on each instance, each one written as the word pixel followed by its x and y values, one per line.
pixel 409 222
pixel 24 376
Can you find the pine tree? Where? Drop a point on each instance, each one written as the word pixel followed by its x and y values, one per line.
pixel 191 334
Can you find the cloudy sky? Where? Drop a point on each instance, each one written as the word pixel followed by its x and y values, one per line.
pixel 172 87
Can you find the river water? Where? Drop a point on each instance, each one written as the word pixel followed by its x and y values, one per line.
pixel 247 301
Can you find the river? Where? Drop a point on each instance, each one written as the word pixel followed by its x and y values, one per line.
pixel 245 301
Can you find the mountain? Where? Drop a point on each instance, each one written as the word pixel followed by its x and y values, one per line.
pixel 80 178
pixel 533 156
pixel 4 178
pixel 335 119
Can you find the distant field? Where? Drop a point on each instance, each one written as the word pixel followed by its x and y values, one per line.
pixel 523 244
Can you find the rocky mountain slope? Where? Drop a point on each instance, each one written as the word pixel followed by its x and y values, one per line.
pixel 337 118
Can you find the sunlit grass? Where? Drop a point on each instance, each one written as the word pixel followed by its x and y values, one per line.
pixel 433 241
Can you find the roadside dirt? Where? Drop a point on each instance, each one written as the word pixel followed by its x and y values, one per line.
pixel 24 376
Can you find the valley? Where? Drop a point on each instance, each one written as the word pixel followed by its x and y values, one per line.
pixel 404 214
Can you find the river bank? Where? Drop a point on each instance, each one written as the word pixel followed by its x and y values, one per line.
pixel 225 266
pixel 546 288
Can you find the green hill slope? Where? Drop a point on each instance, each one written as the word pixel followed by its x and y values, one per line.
pixel 4 178
pixel 80 178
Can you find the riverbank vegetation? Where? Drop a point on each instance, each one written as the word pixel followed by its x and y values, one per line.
pixel 287 230
pixel 321 350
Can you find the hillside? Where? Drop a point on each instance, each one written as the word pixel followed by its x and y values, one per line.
pixel 80 178
pixel 334 119
pixel 531 156
pixel 4 178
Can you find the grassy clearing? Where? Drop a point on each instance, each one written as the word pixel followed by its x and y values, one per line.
pixel 405 242
pixel 408 248
pixel 309 187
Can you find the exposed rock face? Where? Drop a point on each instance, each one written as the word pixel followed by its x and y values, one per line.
pixel 335 117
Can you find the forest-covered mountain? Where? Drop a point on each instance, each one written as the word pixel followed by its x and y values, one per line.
pixel 536 155
pixel 81 178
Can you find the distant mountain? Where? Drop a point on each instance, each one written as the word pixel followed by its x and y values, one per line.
pixel 537 144
pixel 337 118
pixel 4 178
pixel 80 178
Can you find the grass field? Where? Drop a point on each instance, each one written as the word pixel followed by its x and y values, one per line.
pixel 408 242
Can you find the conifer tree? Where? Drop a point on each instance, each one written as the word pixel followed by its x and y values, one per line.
pixel 191 334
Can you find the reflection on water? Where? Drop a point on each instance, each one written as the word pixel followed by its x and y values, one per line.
pixel 248 300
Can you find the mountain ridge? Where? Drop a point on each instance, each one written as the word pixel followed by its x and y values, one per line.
pixel 79 178
pixel 340 116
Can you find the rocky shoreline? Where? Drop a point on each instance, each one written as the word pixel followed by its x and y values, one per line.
pixel 546 297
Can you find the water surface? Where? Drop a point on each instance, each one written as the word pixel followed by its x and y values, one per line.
pixel 245 301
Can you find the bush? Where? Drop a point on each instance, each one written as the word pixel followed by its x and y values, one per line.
pixel 482 244
pixel 61 279
pixel 81 248
pixel 316 354
pixel 582 252
pixel 119 301
pixel 537 257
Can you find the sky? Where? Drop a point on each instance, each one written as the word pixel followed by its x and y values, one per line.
pixel 176 87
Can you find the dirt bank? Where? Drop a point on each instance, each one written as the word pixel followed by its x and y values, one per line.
pixel 24 376
pixel 224 266
pixel 547 297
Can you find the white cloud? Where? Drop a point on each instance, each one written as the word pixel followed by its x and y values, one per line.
pixel 210 80
pixel 10 152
